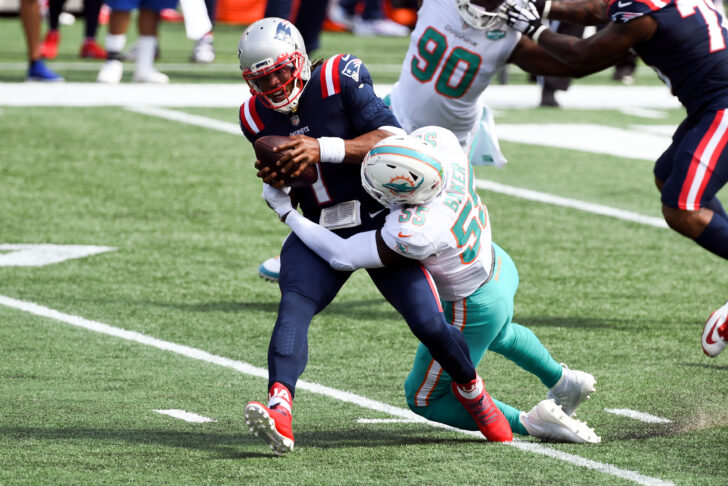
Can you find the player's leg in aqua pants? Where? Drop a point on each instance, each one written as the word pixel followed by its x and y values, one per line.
pixel 483 317
pixel 519 344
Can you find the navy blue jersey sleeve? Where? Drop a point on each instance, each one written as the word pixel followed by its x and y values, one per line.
pixel 622 11
pixel 366 110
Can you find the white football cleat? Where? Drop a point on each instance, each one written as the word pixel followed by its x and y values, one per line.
pixel 151 76
pixel 572 388
pixel 111 72
pixel 270 269
pixel 715 332
pixel 548 422
pixel 204 50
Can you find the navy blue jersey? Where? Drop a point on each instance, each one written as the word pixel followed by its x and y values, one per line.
pixel 688 49
pixel 338 101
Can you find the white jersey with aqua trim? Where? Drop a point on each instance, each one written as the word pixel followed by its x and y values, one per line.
pixel 450 235
pixel 447 67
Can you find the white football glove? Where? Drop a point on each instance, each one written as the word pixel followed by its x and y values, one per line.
pixel 278 200
pixel 524 18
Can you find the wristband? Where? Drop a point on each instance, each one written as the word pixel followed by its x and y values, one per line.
pixel 538 33
pixel 332 149
pixel 546 9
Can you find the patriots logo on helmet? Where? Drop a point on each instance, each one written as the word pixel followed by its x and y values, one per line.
pixel 402 185
pixel 283 32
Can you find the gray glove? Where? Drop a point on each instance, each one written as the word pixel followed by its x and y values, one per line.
pixel 524 18
pixel 278 200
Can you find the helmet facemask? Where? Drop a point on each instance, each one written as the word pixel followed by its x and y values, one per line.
pixel 481 17
pixel 284 96
pixel 270 49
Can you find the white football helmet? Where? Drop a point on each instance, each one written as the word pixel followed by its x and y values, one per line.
pixel 480 17
pixel 403 170
pixel 269 45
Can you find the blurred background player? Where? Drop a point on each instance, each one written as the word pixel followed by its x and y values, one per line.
pixel 365 18
pixel 89 47
pixel 148 23
pixel 334 105
pixel 551 84
pixel 436 217
pixel 308 19
pixel 204 50
pixel 30 19
pixel 687 43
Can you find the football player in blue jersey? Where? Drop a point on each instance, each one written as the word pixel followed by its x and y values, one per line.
pixel 686 42
pixel 331 110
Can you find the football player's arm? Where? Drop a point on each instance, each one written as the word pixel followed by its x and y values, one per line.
pixel 307 150
pixel 600 50
pixel 362 250
pixel 528 56
pixel 580 12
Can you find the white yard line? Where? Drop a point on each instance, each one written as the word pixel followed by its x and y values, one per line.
pixel 634 414
pixel 344 396
pixel 179 116
pixel 570 203
pixel 186 416
pixel 231 95
pixel 385 421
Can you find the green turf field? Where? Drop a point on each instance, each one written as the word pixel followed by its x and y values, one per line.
pixel 176 318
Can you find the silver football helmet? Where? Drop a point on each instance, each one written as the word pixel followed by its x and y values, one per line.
pixel 267 47
pixel 403 170
pixel 480 17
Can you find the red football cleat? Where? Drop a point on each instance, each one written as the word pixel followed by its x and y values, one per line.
pixel 489 419
pixel 90 49
pixel 273 425
pixel 49 47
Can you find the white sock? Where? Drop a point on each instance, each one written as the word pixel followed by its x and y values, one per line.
pixel 115 43
pixel 146 46
pixel 470 394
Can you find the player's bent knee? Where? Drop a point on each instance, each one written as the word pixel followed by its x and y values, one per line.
pixel 687 223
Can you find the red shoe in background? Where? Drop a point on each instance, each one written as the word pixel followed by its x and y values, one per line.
pixel 49 47
pixel 91 50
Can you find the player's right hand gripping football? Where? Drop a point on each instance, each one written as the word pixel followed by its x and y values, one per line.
pixel 302 151
pixel 524 18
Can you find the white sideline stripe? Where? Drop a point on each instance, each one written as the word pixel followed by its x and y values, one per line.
pixel 644 417
pixel 570 203
pixel 385 421
pixel 233 69
pixel 316 388
pixel 178 116
pixel 232 95
pixel 186 416
pixel 624 142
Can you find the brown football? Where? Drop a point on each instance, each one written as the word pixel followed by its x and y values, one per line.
pixel 264 152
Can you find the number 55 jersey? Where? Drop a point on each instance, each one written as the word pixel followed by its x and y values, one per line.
pixel 451 234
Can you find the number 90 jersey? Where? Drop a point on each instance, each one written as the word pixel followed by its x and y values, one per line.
pixel 450 235
pixel 447 67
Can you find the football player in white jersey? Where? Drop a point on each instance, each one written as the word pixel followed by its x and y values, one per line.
pixel 455 49
pixel 437 217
